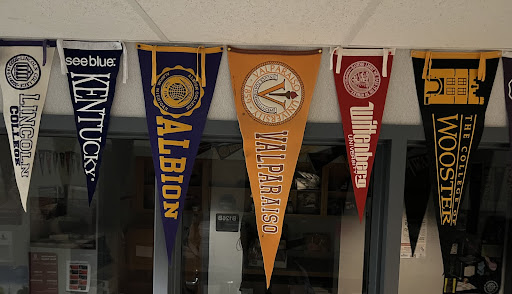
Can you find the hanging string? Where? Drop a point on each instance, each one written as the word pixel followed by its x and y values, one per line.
pixel 338 51
pixel 481 67
pixel 427 66
pixel 385 55
pixel 45 45
pixel 60 49
pixel 200 53
pixel 125 62
pixel 153 67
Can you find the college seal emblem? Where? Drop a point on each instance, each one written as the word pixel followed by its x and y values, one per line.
pixel 361 79
pixel 273 93
pixel 177 91
pixel 22 72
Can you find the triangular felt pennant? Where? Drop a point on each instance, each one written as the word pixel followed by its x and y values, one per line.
pixel 417 192
pixel 453 91
pixel 272 91
pixel 25 72
pixel 92 69
pixel 362 79
pixel 178 84
pixel 507 79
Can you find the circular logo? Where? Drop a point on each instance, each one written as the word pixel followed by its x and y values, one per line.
pixel 361 79
pixel 22 72
pixel 491 287
pixel 177 92
pixel 273 93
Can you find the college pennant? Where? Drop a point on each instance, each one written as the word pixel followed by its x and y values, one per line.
pixel 362 79
pixel 25 72
pixel 453 92
pixel 178 84
pixel 92 69
pixel 507 79
pixel 272 91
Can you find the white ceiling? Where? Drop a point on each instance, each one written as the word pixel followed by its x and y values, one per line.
pixel 471 24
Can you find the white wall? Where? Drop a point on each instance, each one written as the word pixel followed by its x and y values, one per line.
pixel 401 104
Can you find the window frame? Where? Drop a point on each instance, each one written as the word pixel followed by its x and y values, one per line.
pixel 388 204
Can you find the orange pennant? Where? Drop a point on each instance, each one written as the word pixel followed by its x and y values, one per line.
pixel 273 91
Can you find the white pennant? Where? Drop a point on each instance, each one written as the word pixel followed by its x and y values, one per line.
pixel 24 82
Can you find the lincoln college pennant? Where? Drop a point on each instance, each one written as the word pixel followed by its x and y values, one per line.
pixel 453 92
pixel 178 84
pixel 273 91
pixel 362 79
pixel 25 72
pixel 92 69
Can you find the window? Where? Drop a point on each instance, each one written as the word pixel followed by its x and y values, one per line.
pixel 481 258
pixel 224 256
pixel 63 244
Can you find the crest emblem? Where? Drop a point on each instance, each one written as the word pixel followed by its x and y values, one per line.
pixel 22 72
pixel 273 93
pixel 361 79
pixel 177 92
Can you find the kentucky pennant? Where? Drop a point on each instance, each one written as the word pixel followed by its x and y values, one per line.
pixel 362 78
pixel 92 69
pixel 273 91
pixel 453 92
pixel 178 84
pixel 25 72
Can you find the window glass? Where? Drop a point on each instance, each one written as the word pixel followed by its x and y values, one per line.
pixel 220 250
pixel 481 255
pixel 62 243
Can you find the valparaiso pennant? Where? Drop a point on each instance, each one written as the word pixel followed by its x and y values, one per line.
pixel 273 91
pixel 92 69
pixel 25 72
pixel 453 92
pixel 178 84
pixel 362 79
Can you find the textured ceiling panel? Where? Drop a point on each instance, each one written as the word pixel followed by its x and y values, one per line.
pixel 438 24
pixel 287 22
pixel 92 19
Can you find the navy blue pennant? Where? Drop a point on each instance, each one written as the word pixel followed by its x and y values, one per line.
pixel 92 75
pixel 178 85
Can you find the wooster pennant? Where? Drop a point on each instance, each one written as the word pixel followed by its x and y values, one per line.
pixel 24 82
pixel 92 69
pixel 453 92
pixel 272 91
pixel 178 85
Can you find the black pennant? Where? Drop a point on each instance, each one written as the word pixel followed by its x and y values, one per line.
pixel 417 193
pixel 453 93
pixel 92 75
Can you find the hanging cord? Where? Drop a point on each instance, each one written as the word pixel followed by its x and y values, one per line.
pixel 125 62
pixel 427 66
pixel 45 44
pixel 481 67
pixel 63 67
pixel 338 51
pixel 201 51
pixel 385 55
pixel 153 65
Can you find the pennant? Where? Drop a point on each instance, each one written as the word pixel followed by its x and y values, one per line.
pixel 273 91
pixel 416 194
pixel 453 92
pixel 25 72
pixel 507 79
pixel 362 79
pixel 92 69
pixel 178 84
